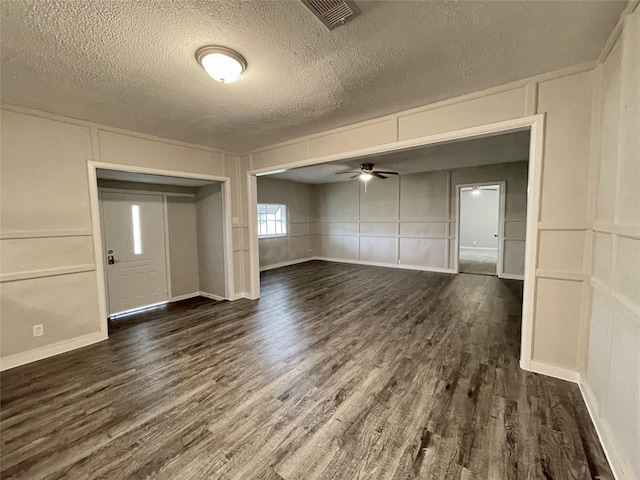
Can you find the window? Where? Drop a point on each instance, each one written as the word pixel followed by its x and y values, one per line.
pixel 137 237
pixel 272 220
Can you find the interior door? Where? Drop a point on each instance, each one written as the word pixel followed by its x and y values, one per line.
pixel 134 241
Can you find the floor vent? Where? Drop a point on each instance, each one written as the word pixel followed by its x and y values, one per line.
pixel 332 13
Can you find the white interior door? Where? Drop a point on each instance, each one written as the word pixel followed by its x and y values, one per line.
pixel 480 228
pixel 134 241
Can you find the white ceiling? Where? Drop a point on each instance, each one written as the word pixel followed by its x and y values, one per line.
pixel 511 147
pixel 131 64
pixel 146 178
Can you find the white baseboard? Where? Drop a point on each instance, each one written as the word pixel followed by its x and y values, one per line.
pixel 285 264
pixel 511 276
pixel 387 265
pixel 491 249
pixel 211 296
pixel 40 353
pixel 184 297
pixel 552 370
pixel 616 462
pixel 604 434
pixel 239 295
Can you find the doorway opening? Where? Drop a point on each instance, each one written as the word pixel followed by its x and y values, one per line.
pixel 161 237
pixel 480 228
pixel 520 246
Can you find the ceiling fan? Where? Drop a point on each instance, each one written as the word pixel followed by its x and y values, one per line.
pixel 367 172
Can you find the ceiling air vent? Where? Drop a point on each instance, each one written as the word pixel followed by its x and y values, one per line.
pixel 332 13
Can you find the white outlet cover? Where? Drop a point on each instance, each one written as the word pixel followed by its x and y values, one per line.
pixel 38 330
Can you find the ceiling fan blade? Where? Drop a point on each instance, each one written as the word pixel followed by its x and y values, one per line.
pixel 355 176
pixel 377 174
pixel 388 173
pixel 352 172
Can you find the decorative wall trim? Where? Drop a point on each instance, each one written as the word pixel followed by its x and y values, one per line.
pixel 285 264
pixel 631 309
pixel 607 440
pixel 628 231
pixel 387 265
pixel 46 272
pixel 557 275
pixel 106 128
pixel 553 371
pixel 36 354
pixel 27 234
pixel 552 227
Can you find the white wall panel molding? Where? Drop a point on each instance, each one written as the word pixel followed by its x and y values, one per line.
pixel 568 227
pixel 628 231
pixel 46 272
pixel 630 309
pixel 29 234
pixel 388 265
pixel 266 268
pixel 559 275
pixel 603 429
pixel 83 123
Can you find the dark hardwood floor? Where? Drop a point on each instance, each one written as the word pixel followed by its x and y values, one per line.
pixel 338 372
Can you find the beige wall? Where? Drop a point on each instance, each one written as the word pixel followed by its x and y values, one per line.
pixel 54 167
pixel 612 370
pixel 47 270
pixel 565 99
pixel 410 220
pixel 298 197
pixel 209 219
pixel 183 245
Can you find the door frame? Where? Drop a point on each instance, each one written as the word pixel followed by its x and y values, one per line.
pixel 502 185
pixel 535 124
pixel 94 203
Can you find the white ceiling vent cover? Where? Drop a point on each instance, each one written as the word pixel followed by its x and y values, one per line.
pixel 332 13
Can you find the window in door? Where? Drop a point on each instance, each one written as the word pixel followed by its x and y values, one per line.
pixel 272 220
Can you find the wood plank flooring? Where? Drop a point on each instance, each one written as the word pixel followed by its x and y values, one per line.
pixel 338 372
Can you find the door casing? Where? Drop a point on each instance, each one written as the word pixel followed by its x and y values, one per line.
pixel 502 185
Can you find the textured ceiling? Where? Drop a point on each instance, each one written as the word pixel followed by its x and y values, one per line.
pixel 131 64
pixel 510 147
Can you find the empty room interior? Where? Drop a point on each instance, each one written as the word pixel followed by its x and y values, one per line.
pixel 320 239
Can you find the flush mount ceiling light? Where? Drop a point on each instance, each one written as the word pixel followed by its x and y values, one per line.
pixel 222 64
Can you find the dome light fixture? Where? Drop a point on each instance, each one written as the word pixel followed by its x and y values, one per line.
pixel 221 63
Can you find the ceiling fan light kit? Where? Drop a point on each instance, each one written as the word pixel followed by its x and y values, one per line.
pixel 367 172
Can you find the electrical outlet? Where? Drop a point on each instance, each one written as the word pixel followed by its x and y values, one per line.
pixel 38 330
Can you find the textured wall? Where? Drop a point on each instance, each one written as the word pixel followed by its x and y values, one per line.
pixel 612 373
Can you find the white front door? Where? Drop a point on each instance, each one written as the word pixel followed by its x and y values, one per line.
pixel 134 242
